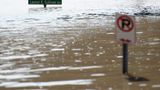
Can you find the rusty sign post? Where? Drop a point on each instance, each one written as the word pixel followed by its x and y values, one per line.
pixel 125 34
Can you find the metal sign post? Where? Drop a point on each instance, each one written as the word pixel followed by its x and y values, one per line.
pixel 44 3
pixel 125 35
pixel 125 59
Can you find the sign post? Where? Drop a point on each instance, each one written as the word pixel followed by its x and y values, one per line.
pixel 126 34
pixel 125 59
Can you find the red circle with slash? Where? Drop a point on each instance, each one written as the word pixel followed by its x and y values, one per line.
pixel 125 23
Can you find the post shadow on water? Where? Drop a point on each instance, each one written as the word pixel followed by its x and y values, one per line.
pixel 133 78
pixel 129 76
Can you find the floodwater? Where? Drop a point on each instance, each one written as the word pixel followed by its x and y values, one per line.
pixel 73 47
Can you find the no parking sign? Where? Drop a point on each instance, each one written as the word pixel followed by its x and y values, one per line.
pixel 125 32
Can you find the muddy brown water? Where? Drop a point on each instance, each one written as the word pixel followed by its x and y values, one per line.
pixel 59 48
pixel 80 57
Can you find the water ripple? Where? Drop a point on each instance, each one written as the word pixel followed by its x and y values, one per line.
pixel 46 84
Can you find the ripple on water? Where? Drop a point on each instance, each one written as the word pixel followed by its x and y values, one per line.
pixel 154 43
pixel 17 76
pixel 22 56
pixel 156 86
pixel 17 70
pixel 64 68
pixel 57 49
pixel 76 49
pixel 27 70
pixel 119 57
pixel 51 83
pixel 98 74
pixel 15 57
pixel 143 85
pixel 4 66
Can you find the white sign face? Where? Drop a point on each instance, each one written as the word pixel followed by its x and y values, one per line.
pixel 125 29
